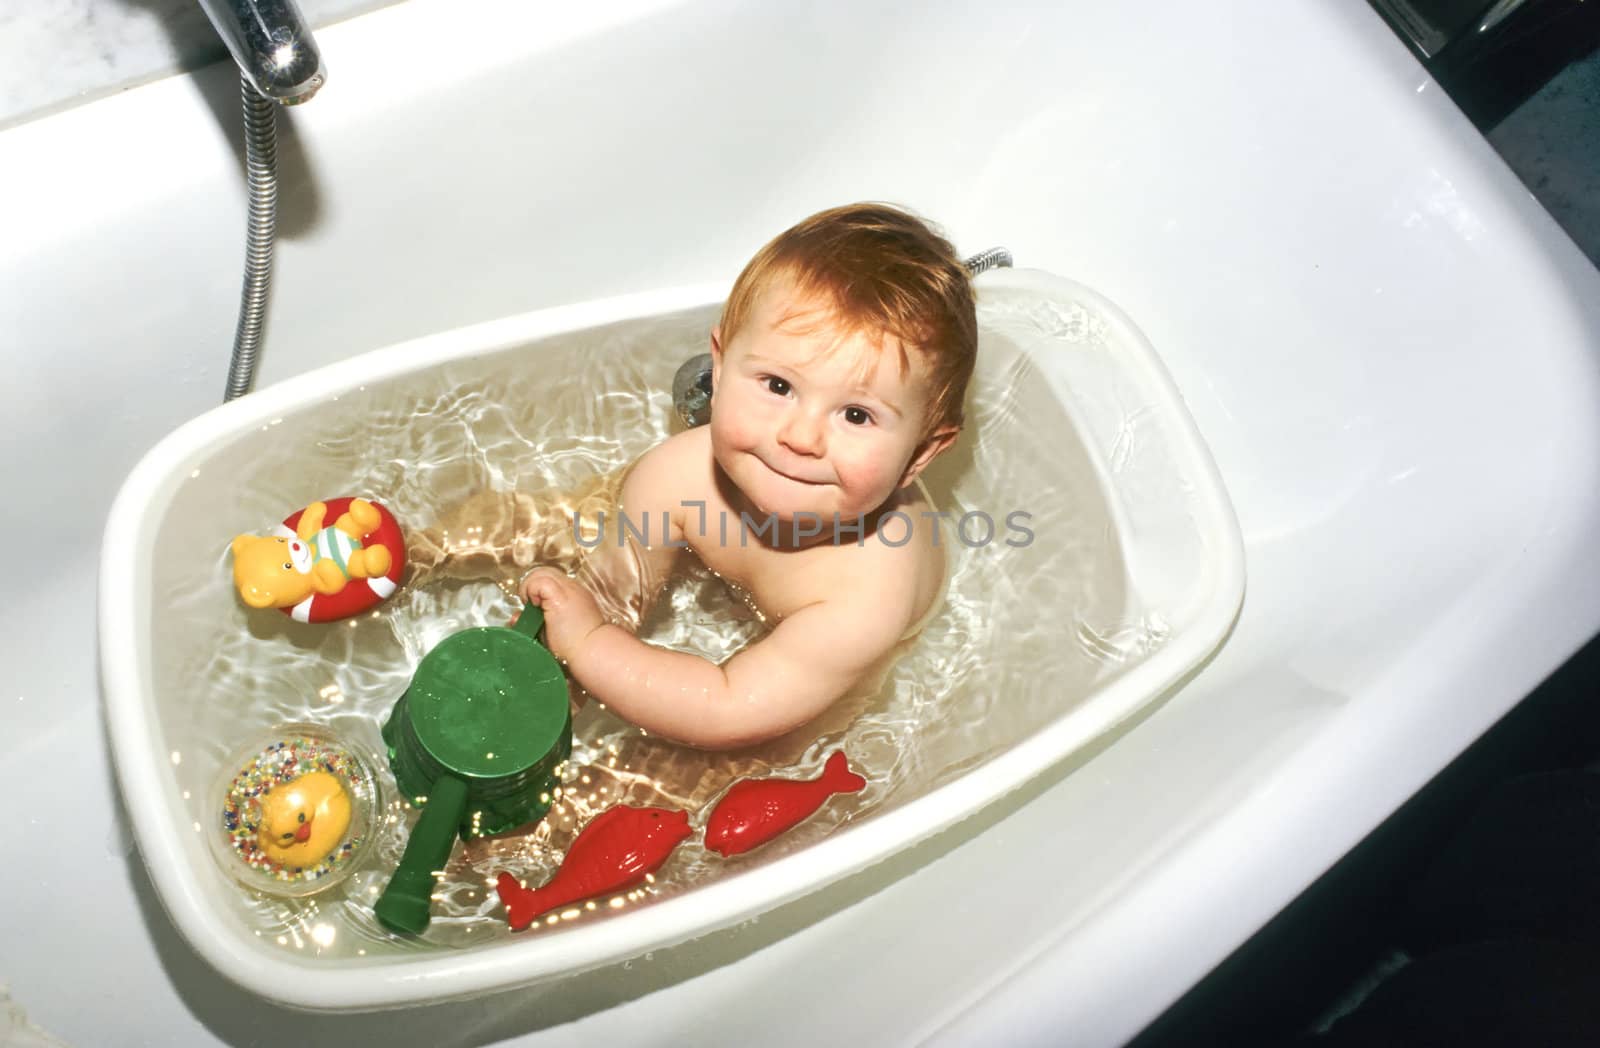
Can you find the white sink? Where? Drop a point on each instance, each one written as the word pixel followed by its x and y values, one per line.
pixel 1390 349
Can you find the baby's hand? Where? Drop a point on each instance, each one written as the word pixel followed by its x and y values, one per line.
pixel 570 611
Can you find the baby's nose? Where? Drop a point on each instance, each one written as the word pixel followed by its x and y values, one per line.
pixel 803 434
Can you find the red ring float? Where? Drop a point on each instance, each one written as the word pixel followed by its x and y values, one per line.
pixel 358 594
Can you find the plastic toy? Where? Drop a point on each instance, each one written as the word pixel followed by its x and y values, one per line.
pixel 303 820
pixel 478 738
pixel 616 851
pixel 318 572
pixel 296 811
pixel 754 811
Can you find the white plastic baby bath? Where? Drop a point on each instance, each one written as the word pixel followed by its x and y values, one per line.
pixel 1131 577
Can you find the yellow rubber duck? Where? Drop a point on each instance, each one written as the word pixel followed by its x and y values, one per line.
pixel 303 820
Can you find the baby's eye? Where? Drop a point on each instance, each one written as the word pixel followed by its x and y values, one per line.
pixel 857 416
pixel 777 385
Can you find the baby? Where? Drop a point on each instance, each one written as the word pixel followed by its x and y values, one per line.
pixel 838 374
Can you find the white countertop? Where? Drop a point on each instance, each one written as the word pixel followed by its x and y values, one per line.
pixel 59 54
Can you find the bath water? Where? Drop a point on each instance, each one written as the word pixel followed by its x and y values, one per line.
pixel 1027 628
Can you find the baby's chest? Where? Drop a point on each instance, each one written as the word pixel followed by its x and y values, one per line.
pixel 779 581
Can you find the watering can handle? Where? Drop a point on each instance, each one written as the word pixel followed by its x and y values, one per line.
pixel 404 905
pixel 531 621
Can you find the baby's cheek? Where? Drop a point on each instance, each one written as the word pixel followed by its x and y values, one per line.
pixel 731 441
pixel 734 423
pixel 867 468
pixel 721 435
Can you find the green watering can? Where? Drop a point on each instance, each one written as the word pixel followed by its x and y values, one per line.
pixel 476 739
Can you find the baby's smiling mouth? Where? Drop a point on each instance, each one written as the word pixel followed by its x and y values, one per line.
pixel 792 477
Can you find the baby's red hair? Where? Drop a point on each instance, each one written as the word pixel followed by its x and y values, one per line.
pixel 886 272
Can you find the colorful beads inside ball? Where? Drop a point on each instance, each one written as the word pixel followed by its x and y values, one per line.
pixel 296 812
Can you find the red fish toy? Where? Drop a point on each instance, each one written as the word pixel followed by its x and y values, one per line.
pixel 756 810
pixel 617 850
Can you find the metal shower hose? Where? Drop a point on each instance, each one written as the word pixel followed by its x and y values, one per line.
pixel 261 172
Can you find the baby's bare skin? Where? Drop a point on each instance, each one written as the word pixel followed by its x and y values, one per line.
pixel 807 423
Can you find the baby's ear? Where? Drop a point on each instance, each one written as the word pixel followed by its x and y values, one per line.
pixel 928 450
pixel 716 354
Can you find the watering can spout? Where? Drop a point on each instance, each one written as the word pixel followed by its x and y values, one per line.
pixel 406 900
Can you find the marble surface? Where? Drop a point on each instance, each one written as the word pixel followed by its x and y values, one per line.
pixel 1552 142
pixel 59 54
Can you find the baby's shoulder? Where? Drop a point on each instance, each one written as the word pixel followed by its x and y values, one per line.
pixel 676 470
pixel 692 446
pixel 899 579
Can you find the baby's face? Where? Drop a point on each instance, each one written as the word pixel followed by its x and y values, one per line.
pixel 806 420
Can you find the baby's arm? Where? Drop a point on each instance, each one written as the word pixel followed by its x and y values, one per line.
pixel 814 657
pixel 495 534
pixel 489 536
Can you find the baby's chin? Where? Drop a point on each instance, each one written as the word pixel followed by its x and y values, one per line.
pixel 787 507
pixel 769 494
pixel 773 496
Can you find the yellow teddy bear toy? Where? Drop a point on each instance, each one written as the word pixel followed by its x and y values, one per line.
pixel 291 569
